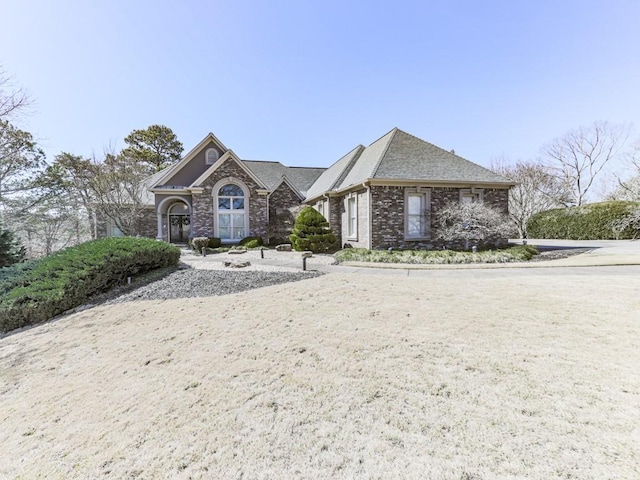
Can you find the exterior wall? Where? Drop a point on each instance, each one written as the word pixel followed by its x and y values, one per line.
pixel 387 214
pixel 284 206
pixel 363 208
pixel 146 227
pixel 193 169
pixel 336 210
pixel 202 217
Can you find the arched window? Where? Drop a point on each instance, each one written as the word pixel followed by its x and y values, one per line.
pixel 232 216
pixel 211 155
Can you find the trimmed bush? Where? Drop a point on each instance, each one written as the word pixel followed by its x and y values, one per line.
pixel 198 243
pixel 215 242
pixel 595 221
pixel 40 289
pixel 251 242
pixel 311 232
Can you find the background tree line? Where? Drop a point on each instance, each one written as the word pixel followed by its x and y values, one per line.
pixel 45 206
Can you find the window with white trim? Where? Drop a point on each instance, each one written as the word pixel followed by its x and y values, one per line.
pixel 211 155
pixel 470 195
pixel 417 215
pixel 231 212
pixel 320 208
pixel 352 217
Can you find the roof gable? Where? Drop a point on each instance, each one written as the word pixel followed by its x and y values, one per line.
pixel 271 173
pixel 171 172
pixel 229 156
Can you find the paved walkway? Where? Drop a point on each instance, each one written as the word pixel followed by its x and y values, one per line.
pixel 603 253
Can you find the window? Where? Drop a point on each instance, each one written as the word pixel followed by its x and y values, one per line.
pixel 352 217
pixel 471 195
pixel 115 231
pixel 211 155
pixel 417 214
pixel 320 208
pixel 231 212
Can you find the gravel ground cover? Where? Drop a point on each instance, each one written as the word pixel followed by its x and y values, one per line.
pixel 206 283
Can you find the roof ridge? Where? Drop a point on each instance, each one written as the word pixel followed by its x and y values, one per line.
pixel 386 149
pixel 345 171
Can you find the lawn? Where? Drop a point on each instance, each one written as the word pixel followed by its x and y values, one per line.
pixel 457 375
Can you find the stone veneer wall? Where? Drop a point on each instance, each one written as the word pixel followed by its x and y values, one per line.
pixel 387 212
pixel 202 203
pixel 284 206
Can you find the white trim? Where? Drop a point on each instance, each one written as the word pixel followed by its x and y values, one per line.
pixel 228 155
pixel 159 213
pixel 206 156
pixel 214 195
pixel 189 156
pixel 425 206
pixel 475 194
pixel 284 179
pixel 352 235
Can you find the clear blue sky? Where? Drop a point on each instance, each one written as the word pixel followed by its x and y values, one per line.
pixel 303 82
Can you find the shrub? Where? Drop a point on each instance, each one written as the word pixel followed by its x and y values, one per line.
pixel 477 222
pixel 311 232
pixel 198 243
pixel 595 221
pixel 215 242
pixel 513 254
pixel 251 242
pixel 40 289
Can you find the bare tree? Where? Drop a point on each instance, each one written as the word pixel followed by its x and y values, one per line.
pixel 536 190
pixel 119 191
pixel 12 98
pixel 629 189
pixel 477 222
pixel 578 157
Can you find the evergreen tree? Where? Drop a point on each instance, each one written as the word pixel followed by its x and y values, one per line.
pixel 311 232
pixel 10 249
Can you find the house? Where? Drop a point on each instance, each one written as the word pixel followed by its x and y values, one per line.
pixel 380 196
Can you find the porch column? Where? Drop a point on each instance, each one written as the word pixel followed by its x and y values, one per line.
pixel 159 236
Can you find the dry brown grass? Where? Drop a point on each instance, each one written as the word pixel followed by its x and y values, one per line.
pixel 450 376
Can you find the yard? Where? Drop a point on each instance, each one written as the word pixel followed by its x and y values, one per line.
pixel 460 375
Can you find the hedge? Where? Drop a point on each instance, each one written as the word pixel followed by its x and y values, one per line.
pixel 37 290
pixel 588 222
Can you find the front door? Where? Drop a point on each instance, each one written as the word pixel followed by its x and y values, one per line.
pixel 179 228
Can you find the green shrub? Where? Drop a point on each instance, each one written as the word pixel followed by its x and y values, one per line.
pixel 40 289
pixel 198 243
pixel 512 254
pixel 251 242
pixel 214 242
pixel 311 232
pixel 595 221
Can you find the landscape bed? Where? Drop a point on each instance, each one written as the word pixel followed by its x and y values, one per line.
pixel 520 253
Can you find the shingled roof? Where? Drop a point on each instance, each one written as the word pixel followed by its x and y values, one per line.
pixel 399 156
pixel 271 173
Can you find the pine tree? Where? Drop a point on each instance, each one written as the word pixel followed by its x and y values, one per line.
pixel 311 232
pixel 11 251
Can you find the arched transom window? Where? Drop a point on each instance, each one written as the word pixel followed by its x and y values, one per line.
pixel 231 212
